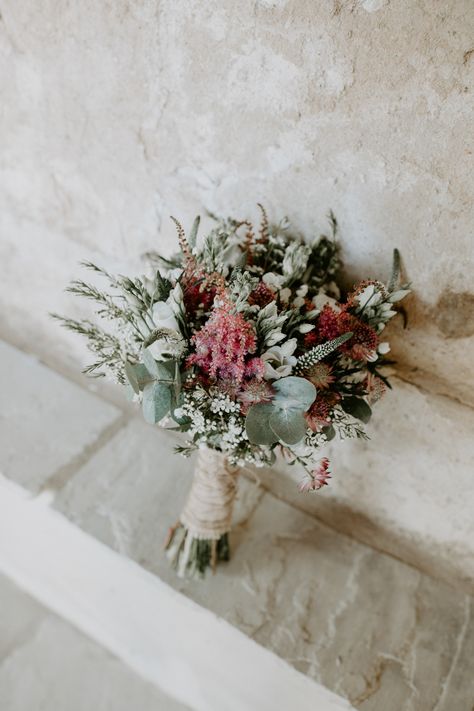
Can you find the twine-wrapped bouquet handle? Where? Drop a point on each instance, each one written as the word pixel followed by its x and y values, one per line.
pixel 200 538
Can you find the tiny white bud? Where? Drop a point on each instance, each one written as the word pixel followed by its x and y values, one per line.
pixel 305 327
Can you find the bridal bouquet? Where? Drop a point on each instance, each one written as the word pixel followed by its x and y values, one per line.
pixel 244 342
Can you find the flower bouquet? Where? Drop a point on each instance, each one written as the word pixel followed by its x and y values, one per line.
pixel 243 342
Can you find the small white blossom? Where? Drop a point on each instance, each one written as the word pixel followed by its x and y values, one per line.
pixel 322 299
pixel 298 302
pixel 273 281
pixel 279 360
pixel 274 338
pixel 284 295
pixel 164 316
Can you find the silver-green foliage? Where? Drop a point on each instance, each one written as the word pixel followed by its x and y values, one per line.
pixel 282 419
pixel 158 382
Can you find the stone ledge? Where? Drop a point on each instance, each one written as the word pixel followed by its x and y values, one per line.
pixel 178 646
pixel 44 663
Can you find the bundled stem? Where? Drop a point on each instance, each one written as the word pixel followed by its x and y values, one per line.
pixel 200 539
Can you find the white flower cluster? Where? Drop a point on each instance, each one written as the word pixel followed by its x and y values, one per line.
pixel 377 305
pixel 234 434
pixel 222 403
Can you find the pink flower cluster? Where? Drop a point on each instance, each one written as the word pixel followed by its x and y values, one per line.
pixel 223 347
pixel 317 478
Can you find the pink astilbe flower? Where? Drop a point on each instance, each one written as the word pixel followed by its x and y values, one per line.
pixel 375 388
pixel 223 347
pixel 317 478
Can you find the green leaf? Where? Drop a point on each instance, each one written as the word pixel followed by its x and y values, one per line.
pixel 357 407
pixel 156 401
pixel 293 392
pixel 137 375
pixel 394 279
pixel 329 431
pixel 149 362
pixel 129 392
pixel 194 230
pixel 289 425
pixel 398 295
pixel 160 370
pixel 257 424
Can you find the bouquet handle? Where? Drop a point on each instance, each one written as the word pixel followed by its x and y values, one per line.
pixel 200 538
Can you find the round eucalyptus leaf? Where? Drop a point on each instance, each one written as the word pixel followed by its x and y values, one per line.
pixel 257 424
pixel 156 401
pixel 137 375
pixel 293 392
pixel 289 425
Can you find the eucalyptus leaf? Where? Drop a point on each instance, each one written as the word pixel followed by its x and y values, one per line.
pixel 137 375
pixel 160 370
pixel 357 407
pixel 156 401
pixel 330 432
pixel 288 425
pixel 257 424
pixel 293 392
pixel 194 230
pixel 149 362
pixel 129 392
pixel 395 277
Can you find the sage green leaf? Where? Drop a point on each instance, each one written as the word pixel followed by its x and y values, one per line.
pixel 395 278
pixel 129 392
pixel 329 431
pixel 137 375
pixel 156 401
pixel 257 424
pixel 160 370
pixel 398 295
pixel 289 425
pixel 357 407
pixel 293 392
pixel 149 362
pixel 194 230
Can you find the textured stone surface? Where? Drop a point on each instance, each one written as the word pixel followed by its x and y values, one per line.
pixel 47 664
pixel 407 490
pixel 47 424
pixel 181 647
pixel 361 623
pixel 118 114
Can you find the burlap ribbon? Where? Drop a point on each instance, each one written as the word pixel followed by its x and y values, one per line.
pixel 208 510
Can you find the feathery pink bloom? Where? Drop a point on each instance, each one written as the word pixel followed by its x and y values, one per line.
pixel 223 347
pixel 316 479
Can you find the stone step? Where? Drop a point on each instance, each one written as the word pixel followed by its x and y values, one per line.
pixel 46 663
pixel 187 653
pixel 351 619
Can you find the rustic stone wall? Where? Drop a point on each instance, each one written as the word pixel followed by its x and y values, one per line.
pixel 117 114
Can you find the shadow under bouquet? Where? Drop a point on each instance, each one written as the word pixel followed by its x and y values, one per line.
pixel 244 343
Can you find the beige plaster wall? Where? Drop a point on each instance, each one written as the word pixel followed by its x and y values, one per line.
pixel 115 114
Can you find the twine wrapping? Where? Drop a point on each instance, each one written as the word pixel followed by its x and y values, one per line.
pixel 207 513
